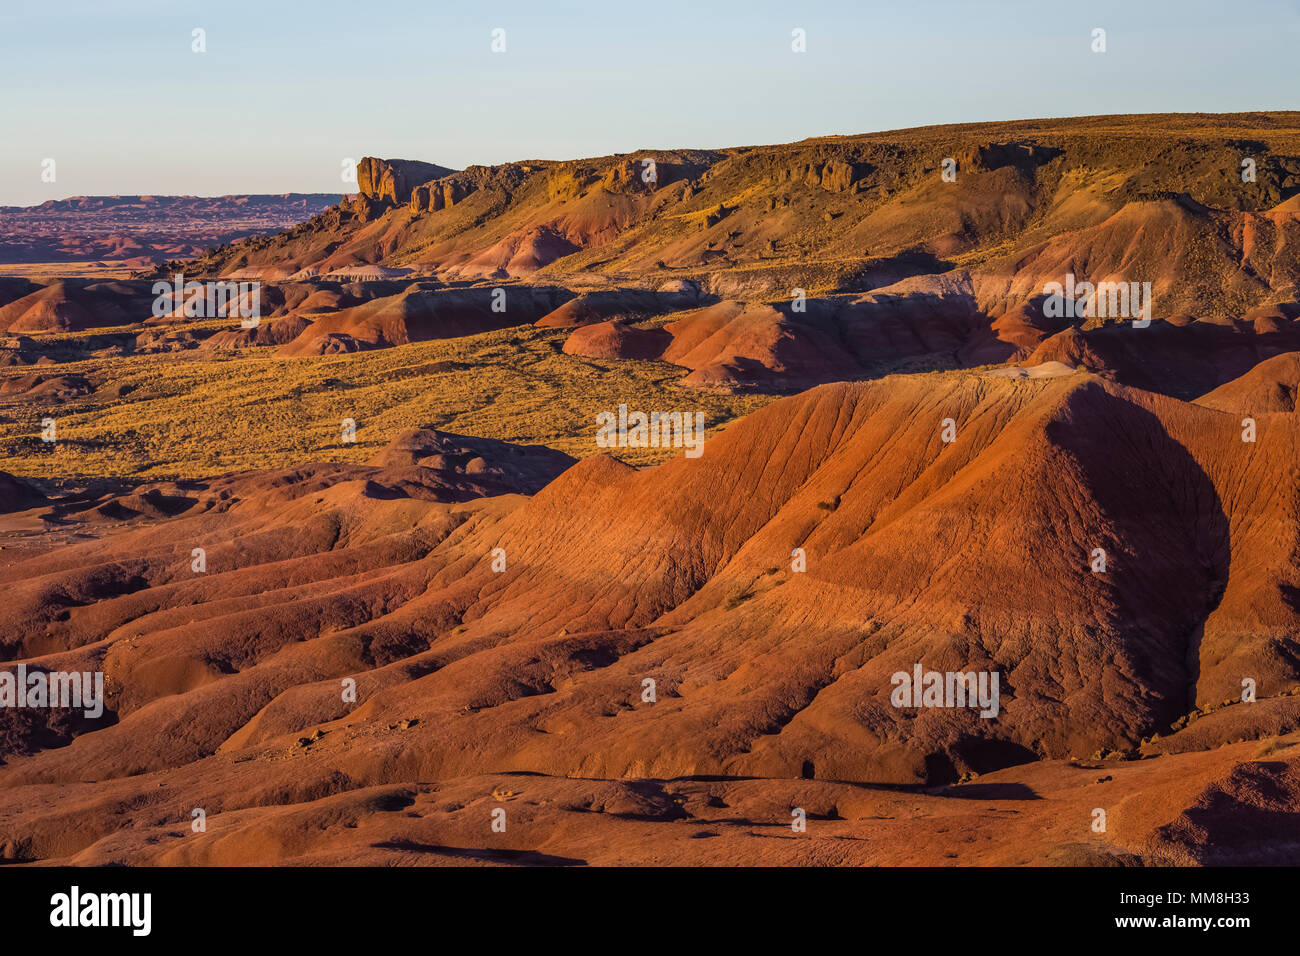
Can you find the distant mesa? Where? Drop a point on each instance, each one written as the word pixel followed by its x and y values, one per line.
pixel 142 232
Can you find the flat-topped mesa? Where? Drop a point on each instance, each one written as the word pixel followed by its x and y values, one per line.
pixel 1022 205
pixel 391 181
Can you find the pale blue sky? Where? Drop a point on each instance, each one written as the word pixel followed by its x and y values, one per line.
pixel 111 90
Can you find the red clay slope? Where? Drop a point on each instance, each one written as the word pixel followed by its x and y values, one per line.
pixel 974 555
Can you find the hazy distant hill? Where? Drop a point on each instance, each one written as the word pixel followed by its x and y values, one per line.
pixel 145 230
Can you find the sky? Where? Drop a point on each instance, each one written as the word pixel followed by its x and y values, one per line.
pixel 287 91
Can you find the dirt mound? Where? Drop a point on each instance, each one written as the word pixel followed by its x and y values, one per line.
pixel 18 495
pixel 150 503
pixel 796 343
pixel 72 305
pixel 155 341
pixel 1268 387
pixel 784 345
pixel 15 287
pixel 418 315
pixel 56 307
pixel 590 308
pixel 497 467
pixel 1185 359
pixel 18 350
pixel 734 345
pixel 1244 817
pixel 280 332
pixel 617 340
pixel 41 385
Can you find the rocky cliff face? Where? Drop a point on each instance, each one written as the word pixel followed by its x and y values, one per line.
pixel 391 181
pixel 445 191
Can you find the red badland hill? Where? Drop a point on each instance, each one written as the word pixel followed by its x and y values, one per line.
pixel 973 555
